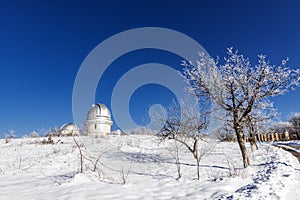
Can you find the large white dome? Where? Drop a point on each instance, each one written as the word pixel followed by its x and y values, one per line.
pixel 98 120
pixel 98 111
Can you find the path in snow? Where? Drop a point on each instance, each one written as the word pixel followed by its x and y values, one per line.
pixel 293 190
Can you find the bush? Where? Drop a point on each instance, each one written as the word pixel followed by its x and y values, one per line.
pixel 34 134
pixel 225 135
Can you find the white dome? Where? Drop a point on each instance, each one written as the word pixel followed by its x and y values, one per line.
pixel 69 129
pixel 98 111
pixel 98 120
pixel 69 126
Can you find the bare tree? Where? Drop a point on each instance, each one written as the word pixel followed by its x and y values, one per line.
pixel 294 121
pixel 225 133
pixel 175 153
pixel 81 156
pixel 256 122
pixel 280 127
pixel 10 135
pixel 237 86
pixel 95 160
pixel 124 174
pixel 185 126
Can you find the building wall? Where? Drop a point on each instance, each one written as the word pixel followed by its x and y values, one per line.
pixel 98 120
pixel 99 126
pixel 69 132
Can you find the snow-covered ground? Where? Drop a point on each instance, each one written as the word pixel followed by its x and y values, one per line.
pixel 31 170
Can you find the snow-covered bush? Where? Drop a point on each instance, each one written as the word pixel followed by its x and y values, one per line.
pixel 34 134
pixel 224 134
pixel 9 135
pixel 141 131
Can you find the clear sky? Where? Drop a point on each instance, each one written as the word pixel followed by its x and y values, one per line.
pixel 43 43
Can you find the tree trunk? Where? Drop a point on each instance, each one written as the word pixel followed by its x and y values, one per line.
pixel 252 140
pixel 242 145
pixel 178 167
pixel 253 145
pixel 198 169
pixel 196 156
pixel 239 134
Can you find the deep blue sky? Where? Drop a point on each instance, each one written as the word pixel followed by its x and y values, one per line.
pixel 43 43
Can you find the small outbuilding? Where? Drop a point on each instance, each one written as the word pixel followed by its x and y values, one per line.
pixel 69 130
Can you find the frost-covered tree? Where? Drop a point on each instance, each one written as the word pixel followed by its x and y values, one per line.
pixel 237 86
pixel 280 127
pixel 294 121
pixel 186 125
pixel 257 121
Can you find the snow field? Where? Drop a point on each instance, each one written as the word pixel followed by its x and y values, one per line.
pixel 31 170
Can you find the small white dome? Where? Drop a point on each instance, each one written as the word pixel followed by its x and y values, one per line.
pixel 98 110
pixel 69 126
pixel 69 129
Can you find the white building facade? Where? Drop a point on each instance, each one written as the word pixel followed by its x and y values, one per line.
pixel 98 120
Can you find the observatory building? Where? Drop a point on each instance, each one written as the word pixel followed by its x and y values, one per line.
pixel 98 120
pixel 69 130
